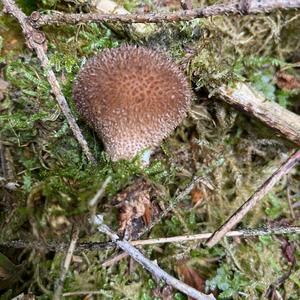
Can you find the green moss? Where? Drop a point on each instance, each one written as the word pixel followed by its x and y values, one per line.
pixel 233 153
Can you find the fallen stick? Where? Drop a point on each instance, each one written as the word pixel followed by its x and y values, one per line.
pixel 65 267
pixel 243 97
pixel 96 246
pixel 254 199
pixel 203 236
pixel 36 40
pixel 82 293
pixel 154 269
pixel 233 8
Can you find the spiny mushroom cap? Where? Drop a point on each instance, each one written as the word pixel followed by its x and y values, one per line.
pixel 132 97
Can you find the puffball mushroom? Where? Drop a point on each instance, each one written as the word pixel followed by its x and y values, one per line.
pixel 133 97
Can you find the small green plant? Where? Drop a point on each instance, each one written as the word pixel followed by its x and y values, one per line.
pixel 230 283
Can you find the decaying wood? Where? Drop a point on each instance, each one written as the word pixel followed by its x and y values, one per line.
pixel 233 8
pixel 242 96
pixel 254 199
pixel 36 41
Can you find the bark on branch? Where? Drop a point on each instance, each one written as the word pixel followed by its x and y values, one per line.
pixel 97 246
pixel 36 41
pixel 270 113
pixel 234 8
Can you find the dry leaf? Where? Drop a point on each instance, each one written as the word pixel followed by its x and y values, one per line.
pixel 165 293
pixel 288 250
pixel 147 215
pixel 134 203
pixel 3 274
pixel 189 276
pixel 9 272
pixel 197 196
pixel 286 81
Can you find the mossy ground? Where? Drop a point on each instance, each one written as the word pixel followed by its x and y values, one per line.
pixel 55 181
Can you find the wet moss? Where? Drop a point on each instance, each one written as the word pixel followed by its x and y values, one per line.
pixel 55 181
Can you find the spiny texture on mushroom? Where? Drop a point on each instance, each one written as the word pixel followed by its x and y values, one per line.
pixel 133 97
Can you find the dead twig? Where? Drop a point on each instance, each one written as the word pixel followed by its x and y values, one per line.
pixel 113 260
pixel 36 40
pixel 60 282
pixel 254 199
pixel 288 192
pixel 234 8
pixel 56 247
pixel 203 236
pixel 82 293
pixel 154 269
pixel 95 200
pixel 270 113
pixel 186 4
pixel 94 246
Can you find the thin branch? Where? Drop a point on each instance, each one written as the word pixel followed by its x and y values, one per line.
pixel 270 113
pixel 96 246
pixel 288 194
pixel 113 260
pixel 36 40
pixel 234 8
pixel 56 246
pixel 204 236
pixel 254 199
pixel 154 269
pixel 98 196
pixel 60 282
pixel 82 293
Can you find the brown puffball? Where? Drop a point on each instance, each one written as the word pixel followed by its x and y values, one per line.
pixel 133 97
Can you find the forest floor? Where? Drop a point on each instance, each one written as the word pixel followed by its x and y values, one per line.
pixel 46 182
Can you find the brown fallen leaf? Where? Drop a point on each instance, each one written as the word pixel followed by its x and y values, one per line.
pixel 197 196
pixel 147 215
pixel 189 276
pixel 165 293
pixel 286 81
pixel 9 272
pixel 134 203
pixel 288 250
